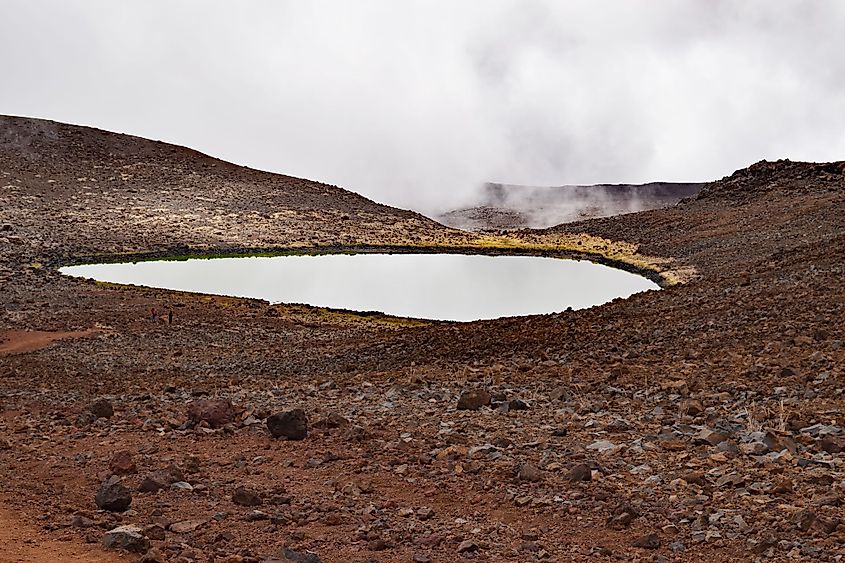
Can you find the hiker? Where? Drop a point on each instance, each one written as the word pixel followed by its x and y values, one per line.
pixel 153 313
pixel 170 316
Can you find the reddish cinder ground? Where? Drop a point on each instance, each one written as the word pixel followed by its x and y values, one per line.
pixel 703 421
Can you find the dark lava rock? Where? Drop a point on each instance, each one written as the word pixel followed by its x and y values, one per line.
pixel 80 521
pixel 648 541
pixel 529 472
pixel 161 479
pixel 299 556
pixel 152 556
pixel 154 532
pixel 331 421
pixel 473 400
pixel 292 425
pixel 113 496
pixel 377 544
pixel 126 537
pixel 216 412
pixel 102 408
pixel 518 405
pixel 580 472
pixel 122 463
pixel 832 444
pixel 246 497
pixel 622 517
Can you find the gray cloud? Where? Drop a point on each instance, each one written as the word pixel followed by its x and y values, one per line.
pixel 416 103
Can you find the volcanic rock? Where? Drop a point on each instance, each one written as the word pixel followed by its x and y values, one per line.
pixel 473 399
pixel 122 463
pixel 160 479
pixel 467 546
pixel 331 421
pixel 292 425
pixel 102 408
pixel 80 521
pixel 126 537
pixel 215 412
pixel 648 541
pixel 154 532
pixel 622 516
pixel 832 444
pixel 186 526
pixel 246 497
pixel 113 495
pixel 580 472
pixel 518 405
pixel 529 472
pixel 425 513
pixel 300 556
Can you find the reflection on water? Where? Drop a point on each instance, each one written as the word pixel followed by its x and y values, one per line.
pixel 430 286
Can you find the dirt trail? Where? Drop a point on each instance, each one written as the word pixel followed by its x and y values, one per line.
pixel 20 542
pixel 21 341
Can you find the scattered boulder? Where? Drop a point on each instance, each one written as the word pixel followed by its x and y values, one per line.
pixel 473 399
pixel 154 532
pixel 102 408
pixel 622 516
pixel 288 554
pixel 425 513
pixel 648 541
pixel 214 412
pixel 122 463
pixel 529 472
pixel 161 479
pixel 692 407
pixel 331 421
pixel 292 425
pixel 467 546
pixel 152 556
pixel 832 444
pixel 602 446
pixel 186 526
pixel 580 472
pixel 113 495
pixel 127 537
pixel 560 393
pixel 81 521
pixel 518 405
pixel 246 497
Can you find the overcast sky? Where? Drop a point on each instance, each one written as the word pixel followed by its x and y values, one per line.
pixel 416 103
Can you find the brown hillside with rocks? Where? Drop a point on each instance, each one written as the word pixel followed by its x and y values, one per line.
pixel 703 421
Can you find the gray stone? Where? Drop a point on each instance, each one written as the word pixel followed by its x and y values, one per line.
pixel 113 496
pixel 127 537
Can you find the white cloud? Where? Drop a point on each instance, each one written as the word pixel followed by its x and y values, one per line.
pixel 416 103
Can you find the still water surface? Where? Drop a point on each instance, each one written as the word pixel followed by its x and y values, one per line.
pixel 454 287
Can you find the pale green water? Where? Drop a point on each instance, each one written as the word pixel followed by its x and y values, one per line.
pixel 431 286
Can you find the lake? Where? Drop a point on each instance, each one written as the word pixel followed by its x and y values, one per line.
pixel 456 287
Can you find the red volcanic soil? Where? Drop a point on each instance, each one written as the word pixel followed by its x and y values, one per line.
pixel 703 421
pixel 20 342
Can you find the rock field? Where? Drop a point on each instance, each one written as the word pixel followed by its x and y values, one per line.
pixel 700 422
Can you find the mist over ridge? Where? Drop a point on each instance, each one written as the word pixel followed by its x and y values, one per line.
pixel 419 104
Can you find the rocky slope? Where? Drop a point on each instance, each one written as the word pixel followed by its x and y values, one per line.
pixel 703 421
